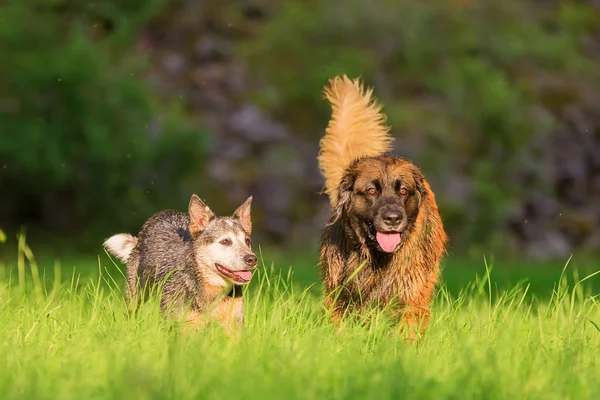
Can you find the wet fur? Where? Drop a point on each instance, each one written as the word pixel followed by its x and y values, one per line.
pixel 170 253
pixel 406 278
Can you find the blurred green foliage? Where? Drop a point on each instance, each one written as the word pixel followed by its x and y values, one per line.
pixel 471 88
pixel 84 139
pixel 464 76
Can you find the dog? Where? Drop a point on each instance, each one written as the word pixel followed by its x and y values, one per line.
pixel 198 260
pixel 383 243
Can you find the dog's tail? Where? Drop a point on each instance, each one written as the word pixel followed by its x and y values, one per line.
pixel 121 245
pixel 356 129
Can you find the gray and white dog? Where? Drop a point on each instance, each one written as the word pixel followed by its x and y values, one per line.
pixel 198 260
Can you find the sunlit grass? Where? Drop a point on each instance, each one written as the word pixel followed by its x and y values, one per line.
pixel 73 338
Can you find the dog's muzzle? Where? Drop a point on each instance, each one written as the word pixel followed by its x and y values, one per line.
pixel 389 224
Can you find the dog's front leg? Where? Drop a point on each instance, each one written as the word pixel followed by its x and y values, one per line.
pixel 414 321
pixel 230 314
pixel 334 310
pixel 195 320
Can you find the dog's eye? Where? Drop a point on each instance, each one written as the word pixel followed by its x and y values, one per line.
pixel 371 191
pixel 403 191
pixel 248 242
pixel 225 242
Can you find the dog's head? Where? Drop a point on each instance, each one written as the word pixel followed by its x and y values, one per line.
pixel 222 245
pixel 380 197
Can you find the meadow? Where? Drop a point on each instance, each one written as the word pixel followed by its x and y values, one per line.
pixel 498 330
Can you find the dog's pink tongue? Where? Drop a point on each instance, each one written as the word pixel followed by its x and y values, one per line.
pixel 388 241
pixel 243 276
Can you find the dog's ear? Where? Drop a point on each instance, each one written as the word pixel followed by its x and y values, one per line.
pixel 420 183
pixel 200 215
pixel 243 214
pixel 344 194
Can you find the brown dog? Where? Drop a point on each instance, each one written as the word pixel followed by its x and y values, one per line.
pixel 383 243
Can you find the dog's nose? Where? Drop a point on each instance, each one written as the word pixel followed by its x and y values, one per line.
pixel 250 260
pixel 392 218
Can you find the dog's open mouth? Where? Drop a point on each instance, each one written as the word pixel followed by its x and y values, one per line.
pixel 388 241
pixel 236 276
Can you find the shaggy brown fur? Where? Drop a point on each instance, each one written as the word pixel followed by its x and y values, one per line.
pixel 383 243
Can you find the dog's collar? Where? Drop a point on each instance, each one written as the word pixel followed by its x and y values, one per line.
pixel 236 291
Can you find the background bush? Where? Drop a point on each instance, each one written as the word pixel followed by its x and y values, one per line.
pixel 84 139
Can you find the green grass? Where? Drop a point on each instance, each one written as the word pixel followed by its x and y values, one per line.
pixel 71 339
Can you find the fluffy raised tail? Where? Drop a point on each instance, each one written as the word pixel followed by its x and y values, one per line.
pixel 121 245
pixel 356 129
